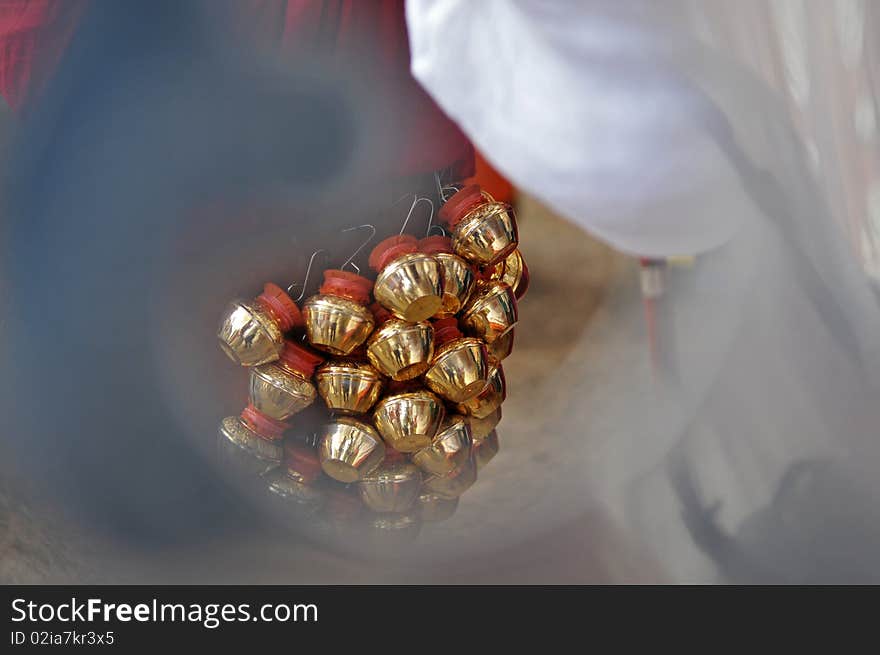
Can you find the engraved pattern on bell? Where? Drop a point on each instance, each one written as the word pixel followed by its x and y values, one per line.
pixel 459 370
pixel 454 484
pixel 481 427
pixel 245 449
pixel 489 399
pixel 401 350
pixel 393 487
pixel 491 312
pixel 487 234
pixel 293 494
pixel 485 449
pixel 458 283
pixel 434 508
pixel 350 449
pixel 410 287
pixel 349 387
pixel 335 324
pixel 408 421
pixel 278 392
pixel 449 450
pixel 248 335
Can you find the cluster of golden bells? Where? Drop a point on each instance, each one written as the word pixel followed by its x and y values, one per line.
pixel 413 381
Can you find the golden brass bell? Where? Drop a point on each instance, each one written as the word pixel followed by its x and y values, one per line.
pixel 458 276
pixel 459 369
pixel 481 427
pixel 392 487
pixel 409 282
pixel 489 399
pixel 454 484
pixel 401 350
pixel 284 388
pixel 449 450
pixel 491 312
pixel 348 386
pixel 502 346
pixel 253 442
pixel 434 508
pixel 512 270
pixel 485 449
pixel 252 332
pixel 294 494
pixel 483 231
pixel 408 421
pixel 350 449
pixel 337 320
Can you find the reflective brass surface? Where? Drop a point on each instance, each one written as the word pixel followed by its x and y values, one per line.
pixel 246 450
pixel 489 399
pixel 349 387
pixel 459 370
pixel 408 421
pixel 502 346
pixel 392 487
pixel 481 427
pixel 487 234
pixel 485 449
pixel 294 494
pixel 248 335
pixel 510 271
pixel 449 450
pixel 350 449
pixel 278 392
pixel 454 484
pixel 401 350
pixel 491 312
pixel 336 325
pixel 436 508
pixel 458 283
pixel 410 287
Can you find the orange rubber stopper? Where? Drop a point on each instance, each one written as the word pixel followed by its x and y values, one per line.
pixel 276 302
pixel 435 244
pixel 445 330
pixel 298 358
pixel 380 314
pixel 265 426
pixel 347 285
pixel 389 249
pixel 461 202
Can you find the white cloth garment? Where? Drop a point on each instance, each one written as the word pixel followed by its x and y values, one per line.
pixel 753 457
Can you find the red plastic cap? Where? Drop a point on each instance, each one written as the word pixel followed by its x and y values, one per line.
pixel 445 330
pixel 347 285
pixel 302 460
pixel 435 244
pixel 391 248
pixel 380 314
pixel 298 358
pixel 275 300
pixel 461 202
pixel 393 456
pixel 265 426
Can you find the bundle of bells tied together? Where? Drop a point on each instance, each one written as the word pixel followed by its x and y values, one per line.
pixel 412 381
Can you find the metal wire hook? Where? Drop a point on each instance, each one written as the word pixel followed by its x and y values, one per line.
pixel 363 245
pixel 416 201
pixel 305 282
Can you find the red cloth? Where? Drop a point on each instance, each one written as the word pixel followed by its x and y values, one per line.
pixel 368 34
